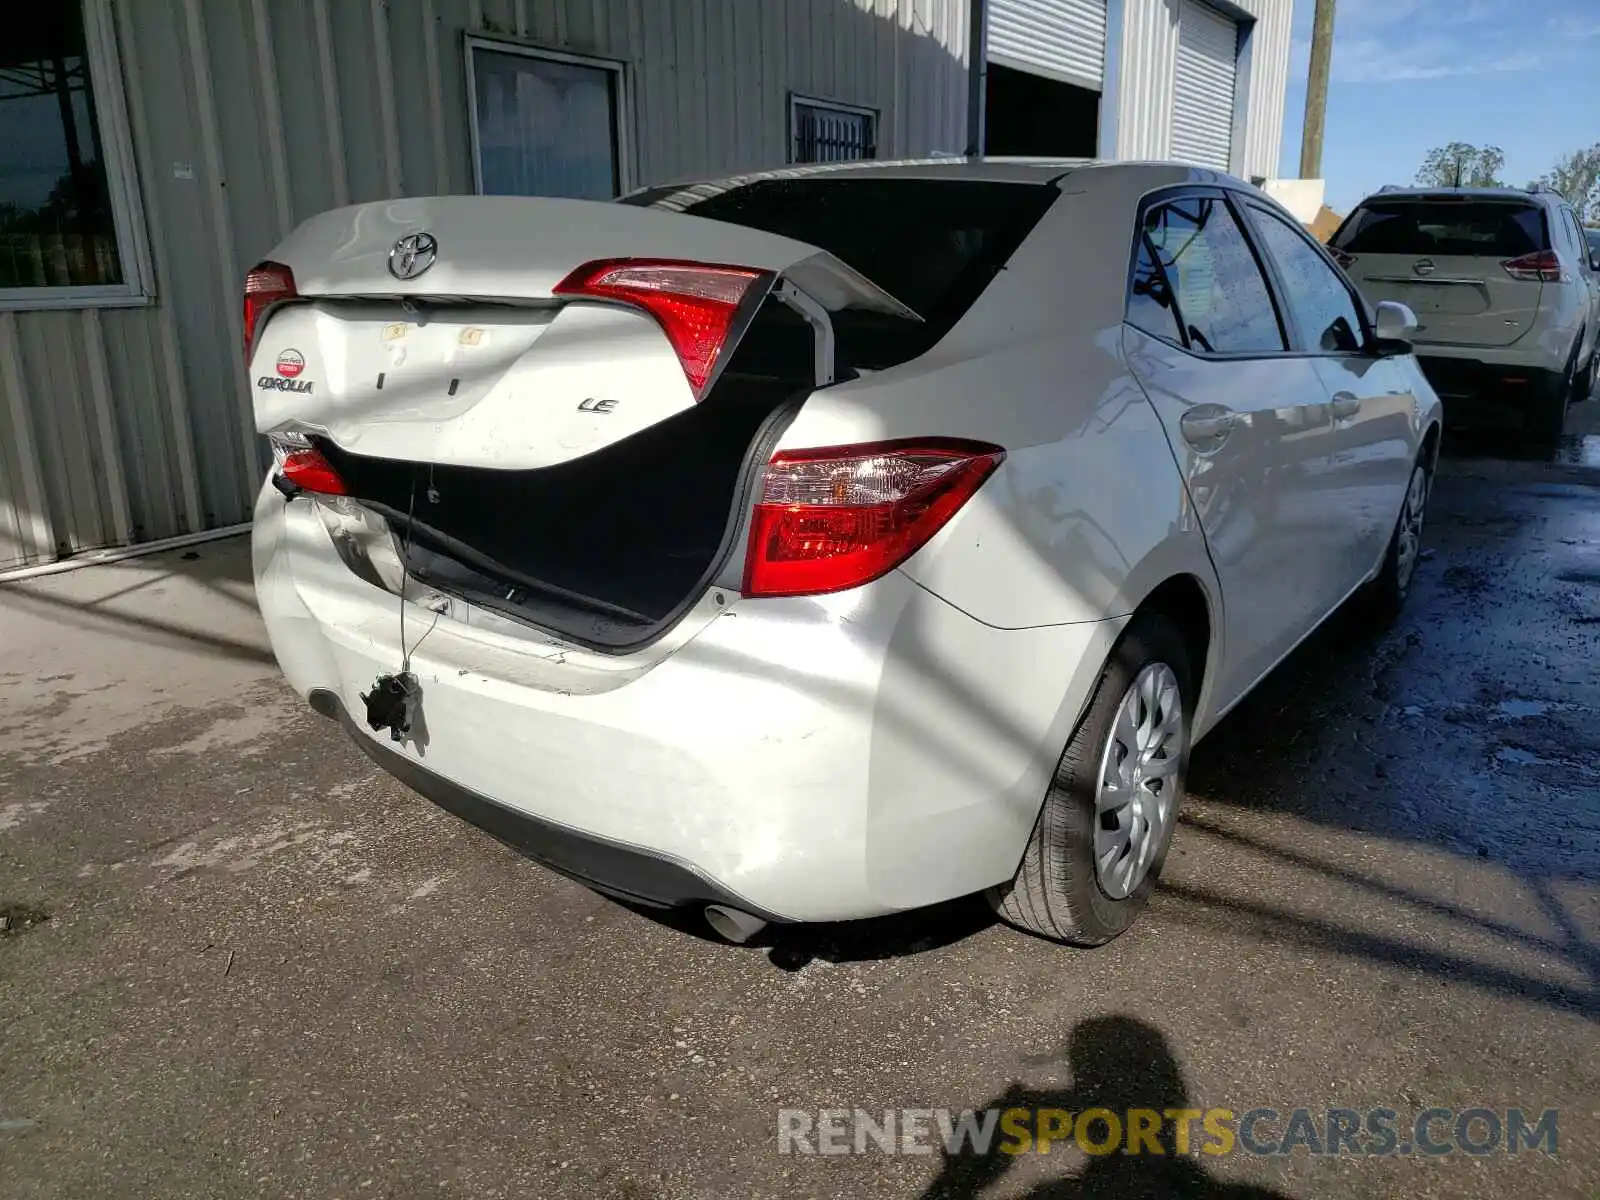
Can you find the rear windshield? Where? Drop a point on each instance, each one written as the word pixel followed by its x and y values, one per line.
pixel 1497 228
pixel 933 244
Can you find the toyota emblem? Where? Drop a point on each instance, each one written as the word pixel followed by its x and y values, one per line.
pixel 412 255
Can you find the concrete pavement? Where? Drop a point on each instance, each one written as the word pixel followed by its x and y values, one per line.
pixel 240 962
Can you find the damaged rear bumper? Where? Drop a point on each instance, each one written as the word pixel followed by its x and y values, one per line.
pixel 626 872
pixel 803 759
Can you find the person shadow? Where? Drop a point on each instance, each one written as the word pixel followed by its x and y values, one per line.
pixel 1117 1063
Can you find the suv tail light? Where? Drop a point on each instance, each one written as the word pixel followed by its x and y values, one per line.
pixel 301 464
pixel 267 285
pixel 1343 258
pixel 695 303
pixel 841 516
pixel 1543 266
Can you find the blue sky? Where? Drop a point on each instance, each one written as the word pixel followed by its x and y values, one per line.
pixel 1409 75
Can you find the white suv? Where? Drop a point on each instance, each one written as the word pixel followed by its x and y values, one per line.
pixel 1505 285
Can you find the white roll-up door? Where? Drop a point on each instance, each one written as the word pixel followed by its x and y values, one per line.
pixel 1202 86
pixel 1062 39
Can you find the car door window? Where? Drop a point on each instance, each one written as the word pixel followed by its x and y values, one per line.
pixel 1150 304
pixel 1220 295
pixel 1318 300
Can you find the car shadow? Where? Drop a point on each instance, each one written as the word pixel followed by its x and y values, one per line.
pixel 794 947
pixel 1565 449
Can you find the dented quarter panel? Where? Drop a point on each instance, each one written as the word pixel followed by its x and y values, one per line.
pixel 1088 512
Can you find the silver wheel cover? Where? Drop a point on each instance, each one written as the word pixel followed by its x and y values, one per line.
pixel 1408 534
pixel 1137 797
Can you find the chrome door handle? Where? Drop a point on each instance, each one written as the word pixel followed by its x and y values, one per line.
pixel 1206 424
pixel 1345 405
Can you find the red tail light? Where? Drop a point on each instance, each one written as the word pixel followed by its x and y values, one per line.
pixel 268 284
pixel 309 471
pixel 1343 258
pixel 695 303
pixel 841 516
pixel 1541 267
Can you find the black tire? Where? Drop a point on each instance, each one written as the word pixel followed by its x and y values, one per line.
pixel 1587 378
pixel 1387 594
pixel 1056 892
pixel 1548 416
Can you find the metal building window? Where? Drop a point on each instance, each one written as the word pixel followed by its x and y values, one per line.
pixel 821 132
pixel 70 234
pixel 545 124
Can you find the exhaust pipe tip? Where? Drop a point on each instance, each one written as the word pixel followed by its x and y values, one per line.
pixel 738 927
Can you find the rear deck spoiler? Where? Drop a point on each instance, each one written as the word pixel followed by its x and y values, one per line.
pixel 516 249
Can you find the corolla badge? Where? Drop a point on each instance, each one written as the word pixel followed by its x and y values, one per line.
pixel 412 255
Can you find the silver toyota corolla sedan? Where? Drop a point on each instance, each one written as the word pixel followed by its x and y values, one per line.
pixel 824 542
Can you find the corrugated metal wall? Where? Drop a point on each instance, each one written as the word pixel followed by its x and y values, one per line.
pixel 132 424
pixel 1148 56
pixel 1269 85
pixel 1148 53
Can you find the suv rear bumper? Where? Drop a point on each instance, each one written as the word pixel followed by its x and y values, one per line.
pixel 1475 392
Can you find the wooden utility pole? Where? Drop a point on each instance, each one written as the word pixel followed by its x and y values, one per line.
pixel 1317 91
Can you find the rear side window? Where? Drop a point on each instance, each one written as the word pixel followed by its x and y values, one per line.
pixel 1316 296
pixel 1221 296
pixel 1492 228
pixel 1150 304
pixel 1570 220
pixel 933 244
pixel 1594 241
pixel 1582 244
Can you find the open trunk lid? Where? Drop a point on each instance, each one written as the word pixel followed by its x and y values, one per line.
pixel 518 248
pixel 437 330
pixel 560 462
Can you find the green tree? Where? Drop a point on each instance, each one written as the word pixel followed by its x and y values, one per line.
pixel 1577 177
pixel 1461 164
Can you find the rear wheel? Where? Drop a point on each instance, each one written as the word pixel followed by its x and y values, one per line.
pixel 1107 820
pixel 1549 416
pixel 1386 595
pixel 1588 378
